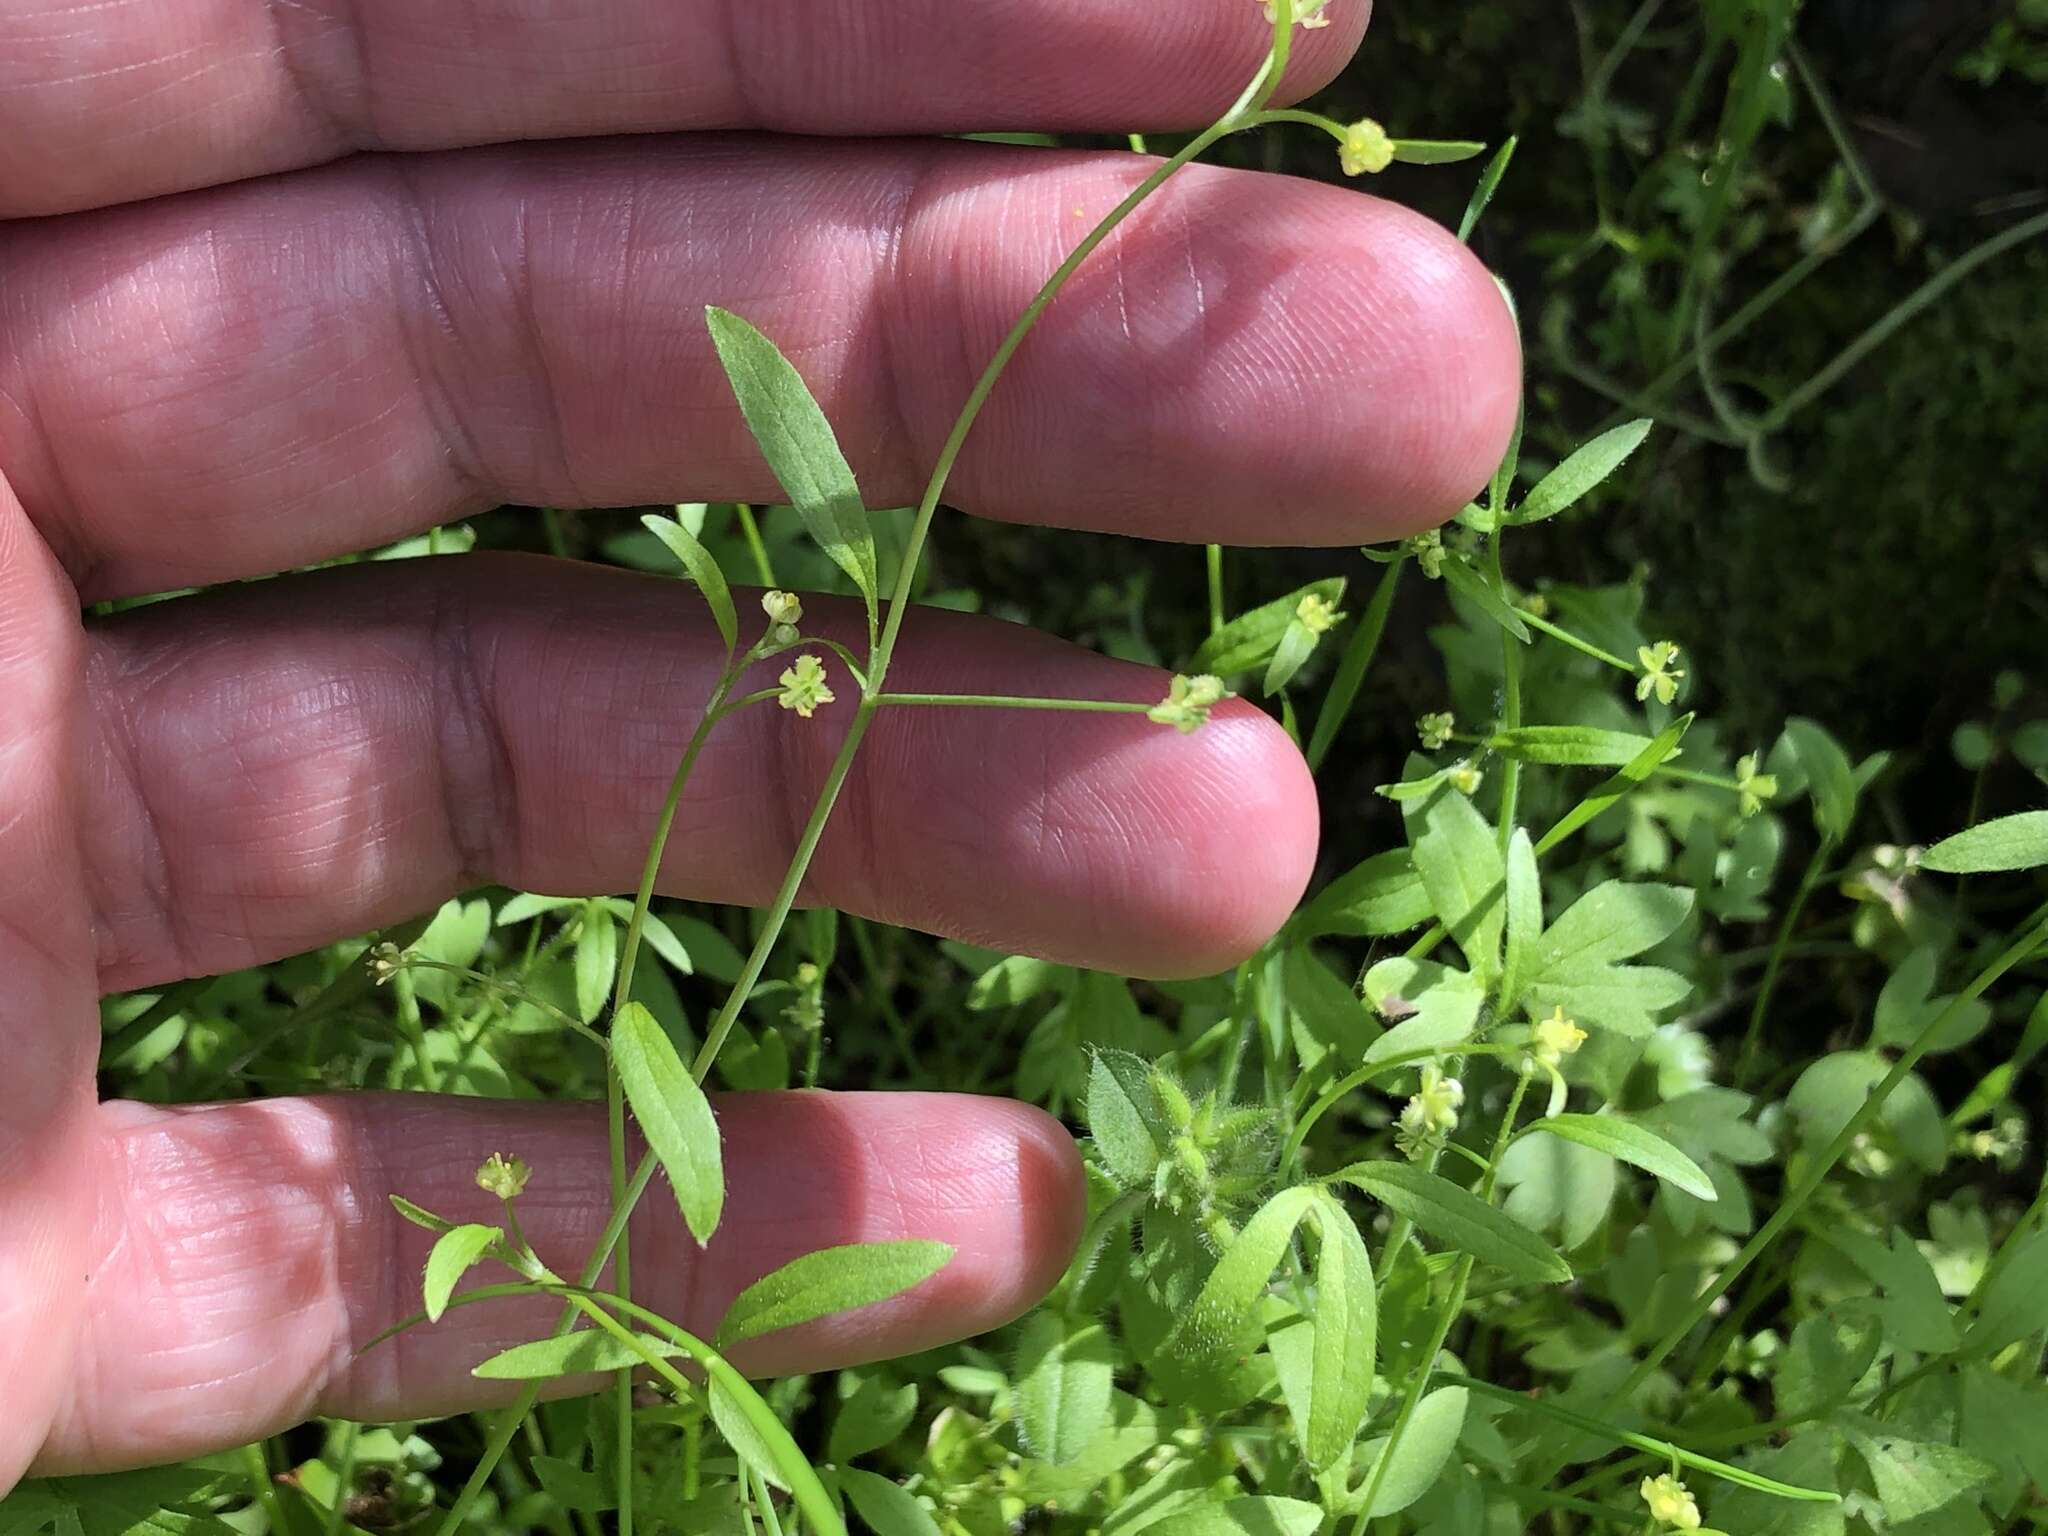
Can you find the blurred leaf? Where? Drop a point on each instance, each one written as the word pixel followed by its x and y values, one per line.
pixel 1346 1320
pixel 1628 1142
pixel 1250 640
pixel 703 570
pixel 1062 1385
pixel 2010 842
pixel 888 1509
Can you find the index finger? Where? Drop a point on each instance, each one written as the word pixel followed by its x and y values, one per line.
pixel 110 103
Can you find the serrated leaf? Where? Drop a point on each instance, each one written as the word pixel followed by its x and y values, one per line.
pixel 1419 1459
pixel 1062 1385
pixel 1250 640
pixel 1249 1516
pixel 573 1354
pixel 798 443
pixel 1630 1143
pixel 888 1509
pixel 597 960
pixel 1383 895
pixel 1461 866
pixel 1569 746
pixel 674 1115
pixel 702 570
pixel 828 1281
pixel 2010 842
pixel 1119 1115
pixel 454 1253
pixel 870 1419
pixel 1581 471
pixel 1460 1218
pixel 1346 1321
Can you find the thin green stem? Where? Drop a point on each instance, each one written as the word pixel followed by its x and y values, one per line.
pixel 1356 662
pixel 1584 647
pixel 415 1029
pixel 1511 711
pixel 1006 701
pixel 750 530
pixel 1745 1062
pixel 1214 558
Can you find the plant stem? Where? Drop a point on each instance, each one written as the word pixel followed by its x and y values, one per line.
pixel 1214 553
pixel 751 532
pixel 1584 647
pixel 1005 701
pixel 1511 710
pixel 1751 1037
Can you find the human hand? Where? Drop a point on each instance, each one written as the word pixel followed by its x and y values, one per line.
pixel 205 376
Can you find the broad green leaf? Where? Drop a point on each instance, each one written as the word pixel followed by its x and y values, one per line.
pixel 1906 1007
pixel 1916 1315
pixel 573 1354
pixel 1623 998
pixel 711 953
pixel 870 1419
pixel 1248 1516
pixel 1830 780
pixel 1583 746
pixel 1613 921
pixel 1380 896
pixel 2006 1422
pixel 1346 1321
pixel 1828 1354
pixel 597 960
pixel 573 1487
pixel 1830 1092
pixel 1016 979
pixel 1329 1015
pixel 1225 1309
pixel 1428 1006
pixel 1580 472
pixel 1524 918
pixel 1477 589
pixel 886 1507
pixel 828 1281
pixel 1460 862
pixel 1250 640
pixel 1631 1143
pixel 517 909
pixel 1119 1113
pixel 1062 1385
pixel 674 1115
pixel 798 443
pixel 1460 1218
pixel 2010 842
pixel 453 1255
pixel 744 1432
pixel 1419 1459
pixel 1915 1477
pixel 703 570
pixel 2015 1304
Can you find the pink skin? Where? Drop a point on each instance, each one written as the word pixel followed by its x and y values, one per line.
pixel 227 382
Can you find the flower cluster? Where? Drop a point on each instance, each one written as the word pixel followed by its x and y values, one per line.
pixel 1429 1118
pixel 1671 1503
pixel 1753 790
pixel 1188 702
pixel 1555 1038
pixel 1435 730
pixel 1318 615
pixel 1659 675
pixel 1366 149
pixel 503 1176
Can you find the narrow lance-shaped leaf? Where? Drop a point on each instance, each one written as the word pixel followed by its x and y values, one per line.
pixel 453 1255
pixel 1581 746
pixel 1345 1340
pixel 2010 842
pixel 1580 473
pixel 1419 1458
pixel 798 443
pixel 1611 790
pixel 597 960
pixel 1247 1516
pixel 674 1114
pixel 887 1508
pixel 1458 1217
pixel 582 1353
pixel 1524 918
pixel 1119 1086
pixel 1630 1143
pixel 1249 640
pixel 703 570
pixel 1224 1309
pixel 1480 591
pixel 830 1280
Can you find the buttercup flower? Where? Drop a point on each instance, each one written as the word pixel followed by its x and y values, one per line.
pixel 804 687
pixel 1366 149
pixel 503 1176
pixel 1659 675
pixel 1435 729
pixel 1671 1504
pixel 1428 1118
pixel 1753 790
pixel 1555 1038
pixel 1188 702
pixel 1317 614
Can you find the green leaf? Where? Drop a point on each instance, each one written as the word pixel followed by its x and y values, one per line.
pixel 887 1508
pixel 1242 1517
pixel 1224 1311
pixel 2010 842
pixel 1819 759
pixel 674 1114
pixel 1062 1385
pixel 597 960
pixel 1906 1006
pixel 1631 1143
pixel 830 1280
pixel 1429 1006
pixel 870 1419
pixel 798 444
pixel 1827 1356
pixel 1420 1458
pixel 453 1255
pixel 1016 979
pixel 1460 1218
pixel 1581 746
pixel 1916 1315
pixel 573 1354
pixel 703 570
pixel 1297 644
pixel 1567 484
pixel 1346 1321
pixel 1119 1115
pixel 1436 151
pixel 1489 183
pixel 1613 921
pixel 1524 918
pixel 1830 1092
pixel 1477 589
pixel 1461 866
pixel 573 1487
pixel 746 1433
pixel 1915 1477
pixel 1250 640
pixel 2015 1304
pixel 1380 896
pixel 1611 790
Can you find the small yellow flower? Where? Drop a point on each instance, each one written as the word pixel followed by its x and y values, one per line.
pixel 1318 614
pixel 1428 550
pixel 1428 1118
pixel 1671 1504
pixel 1188 702
pixel 503 1176
pixel 1466 779
pixel 1435 730
pixel 804 687
pixel 782 607
pixel 1555 1038
pixel 1659 675
pixel 1366 149
pixel 1753 790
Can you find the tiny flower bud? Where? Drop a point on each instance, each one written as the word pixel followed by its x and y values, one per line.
pixel 1671 1503
pixel 1366 149
pixel 1428 550
pixel 1435 730
pixel 782 608
pixel 1429 1118
pixel 1188 702
pixel 1659 675
pixel 804 687
pixel 385 961
pixel 1555 1038
pixel 1753 790
pixel 503 1176
pixel 1317 614
pixel 1466 779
